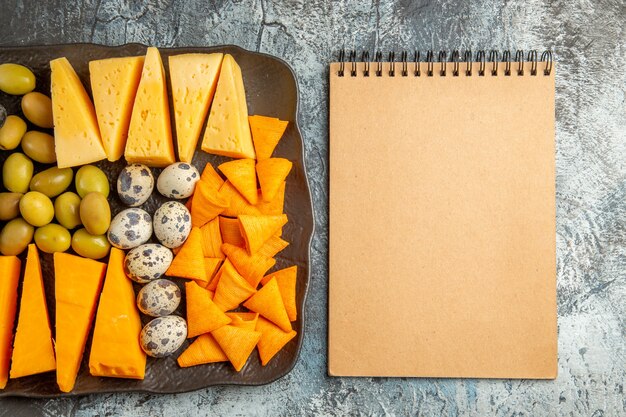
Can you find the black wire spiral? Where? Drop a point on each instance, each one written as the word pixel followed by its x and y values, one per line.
pixel 455 57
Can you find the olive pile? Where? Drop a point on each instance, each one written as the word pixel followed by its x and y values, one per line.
pixel 39 205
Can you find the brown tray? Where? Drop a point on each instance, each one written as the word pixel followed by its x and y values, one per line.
pixel 271 89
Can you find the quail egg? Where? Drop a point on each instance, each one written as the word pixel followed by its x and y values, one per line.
pixel 178 180
pixel 130 228
pixel 172 224
pixel 135 184
pixel 163 336
pixel 158 298
pixel 147 262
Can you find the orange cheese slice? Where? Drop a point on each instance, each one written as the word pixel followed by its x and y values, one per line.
pixel 115 350
pixel 10 273
pixel 114 83
pixel 76 134
pixel 228 132
pixel 194 79
pixel 33 352
pixel 150 134
pixel 77 286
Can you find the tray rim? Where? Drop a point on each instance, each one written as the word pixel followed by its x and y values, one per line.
pixel 4 394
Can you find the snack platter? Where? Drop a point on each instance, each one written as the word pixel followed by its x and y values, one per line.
pixel 239 229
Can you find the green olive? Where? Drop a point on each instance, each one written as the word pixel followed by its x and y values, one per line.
pixel 95 213
pixel 37 108
pixel 36 208
pixel 11 132
pixel 15 236
pixel 67 210
pixel 53 238
pixel 39 146
pixel 16 79
pixel 90 246
pixel 52 182
pixel 9 205
pixel 17 172
pixel 91 179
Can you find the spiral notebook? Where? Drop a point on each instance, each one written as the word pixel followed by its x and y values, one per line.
pixel 442 216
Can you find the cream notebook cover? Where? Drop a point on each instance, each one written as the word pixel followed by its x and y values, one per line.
pixel 442 220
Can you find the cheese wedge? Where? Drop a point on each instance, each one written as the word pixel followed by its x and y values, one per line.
pixel 33 352
pixel 194 79
pixel 228 132
pixel 77 286
pixel 150 135
pixel 114 83
pixel 10 275
pixel 115 350
pixel 76 133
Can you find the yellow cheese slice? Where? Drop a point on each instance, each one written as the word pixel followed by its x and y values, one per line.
pixel 33 352
pixel 194 79
pixel 10 273
pixel 115 349
pixel 150 135
pixel 76 133
pixel 114 83
pixel 77 284
pixel 228 131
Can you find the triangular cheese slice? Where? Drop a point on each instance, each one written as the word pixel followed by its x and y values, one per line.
pixel 274 207
pixel 114 83
pixel 227 132
pixel 272 173
pixel 10 273
pixel 266 133
pixel 251 267
pixel 237 204
pixel 237 343
pixel 212 239
pixel 273 339
pixel 286 279
pixel 150 134
pixel 268 303
pixel 203 350
pixel 194 79
pixel 76 134
pixel 232 288
pixel 256 230
pixel 77 283
pixel 115 349
pixel 203 316
pixel 242 176
pixel 189 261
pixel 33 352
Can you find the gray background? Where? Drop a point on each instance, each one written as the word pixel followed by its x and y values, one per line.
pixel 588 39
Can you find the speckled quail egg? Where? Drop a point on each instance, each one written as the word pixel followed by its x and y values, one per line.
pixel 158 298
pixel 147 262
pixel 172 224
pixel 135 184
pixel 130 228
pixel 163 336
pixel 178 180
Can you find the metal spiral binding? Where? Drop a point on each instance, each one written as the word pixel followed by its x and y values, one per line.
pixel 442 59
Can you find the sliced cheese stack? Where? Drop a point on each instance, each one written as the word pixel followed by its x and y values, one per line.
pixel 114 84
pixel 150 136
pixel 115 350
pixel 228 132
pixel 194 79
pixel 77 286
pixel 33 352
pixel 9 277
pixel 76 133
